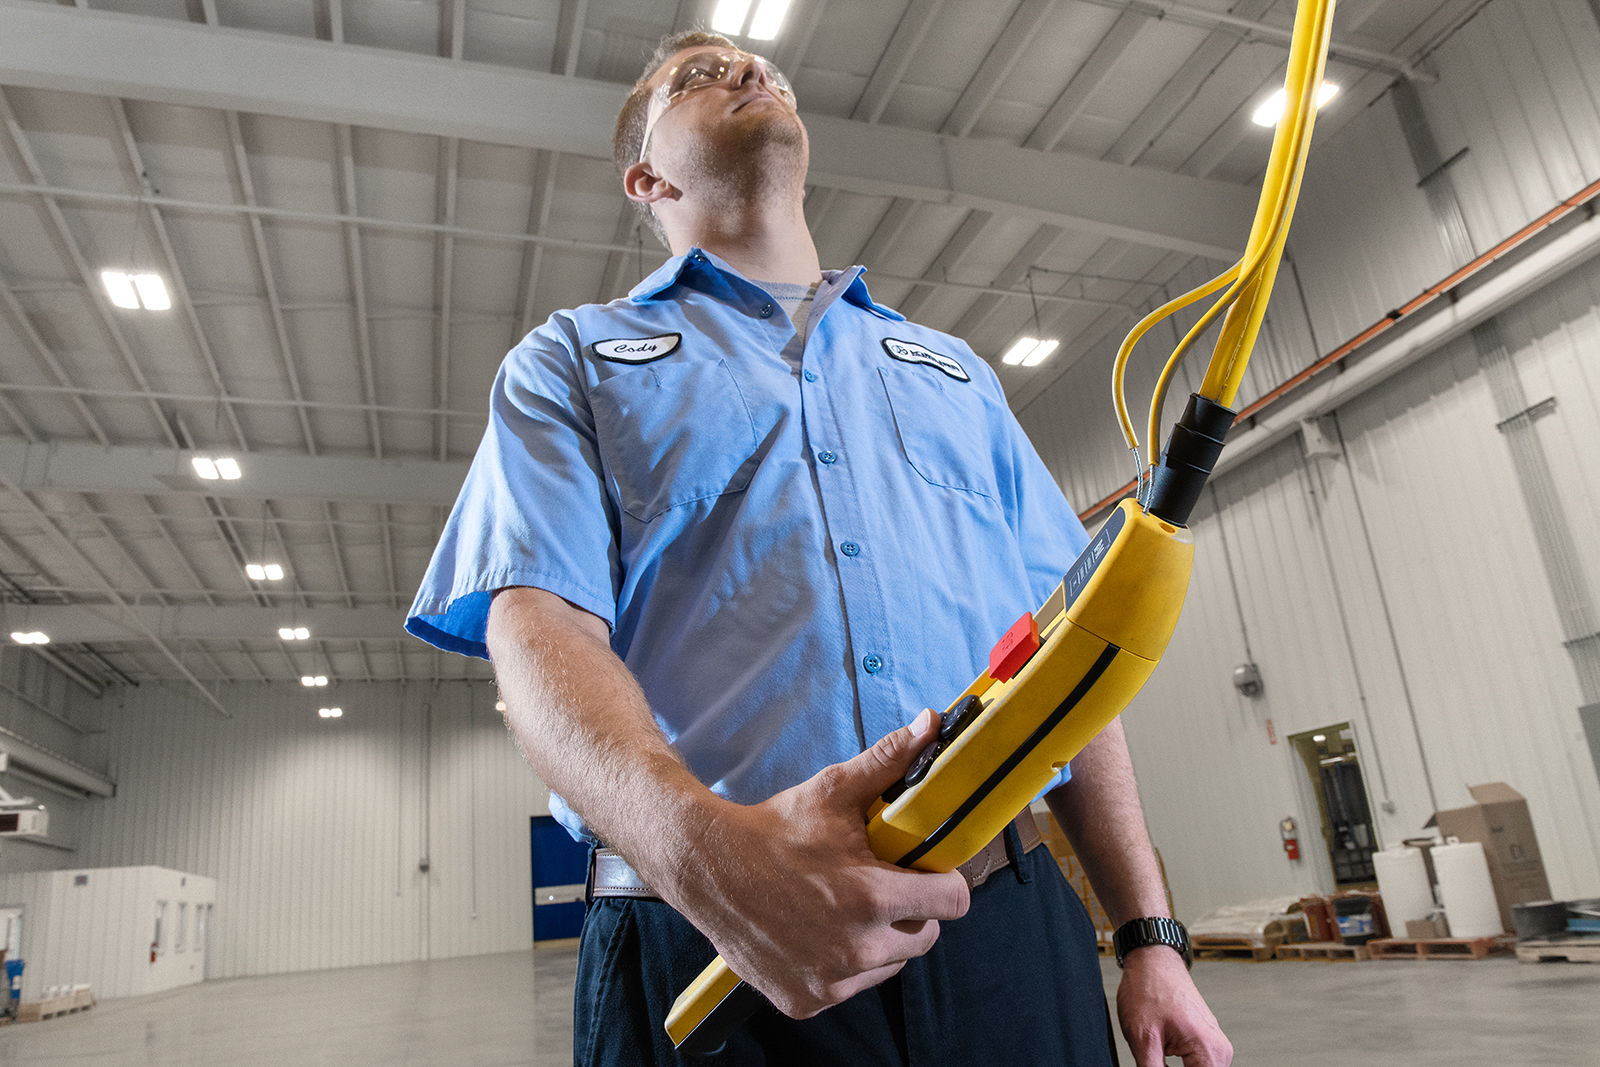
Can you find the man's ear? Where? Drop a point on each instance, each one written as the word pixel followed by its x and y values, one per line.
pixel 645 186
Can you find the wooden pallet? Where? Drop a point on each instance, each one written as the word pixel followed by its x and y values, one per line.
pixel 49 1009
pixel 1571 950
pixel 1222 947
pixel 1439 948
pixel 1322 950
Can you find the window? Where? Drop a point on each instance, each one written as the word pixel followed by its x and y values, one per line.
pixel 183 927
pixel 201 911
pixel 158 942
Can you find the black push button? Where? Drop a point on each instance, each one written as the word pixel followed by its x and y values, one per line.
pixel 958 718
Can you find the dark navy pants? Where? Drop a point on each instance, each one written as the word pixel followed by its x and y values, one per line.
pixel 1016 981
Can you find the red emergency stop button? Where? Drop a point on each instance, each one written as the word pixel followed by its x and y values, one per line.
pixel 1015 649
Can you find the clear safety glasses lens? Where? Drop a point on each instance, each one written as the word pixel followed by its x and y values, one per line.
pixel 701 72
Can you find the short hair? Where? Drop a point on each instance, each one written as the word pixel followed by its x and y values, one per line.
pixel 628 140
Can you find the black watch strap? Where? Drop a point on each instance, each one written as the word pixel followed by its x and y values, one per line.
pixel 1155 930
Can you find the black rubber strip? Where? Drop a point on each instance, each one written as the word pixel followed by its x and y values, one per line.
pixel 708 1038
pixel 1034 740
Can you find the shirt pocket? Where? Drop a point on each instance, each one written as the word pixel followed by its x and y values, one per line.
pixel 673 433
pixel 943 429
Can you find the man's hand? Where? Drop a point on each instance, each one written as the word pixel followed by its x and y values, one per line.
pixel 790 894
pixel 1162 1014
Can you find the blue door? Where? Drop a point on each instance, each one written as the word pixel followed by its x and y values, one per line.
pixel 560 866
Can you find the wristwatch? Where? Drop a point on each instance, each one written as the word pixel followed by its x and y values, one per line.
pixel 1137 933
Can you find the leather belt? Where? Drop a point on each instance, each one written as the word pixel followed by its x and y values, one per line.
pixel 611 876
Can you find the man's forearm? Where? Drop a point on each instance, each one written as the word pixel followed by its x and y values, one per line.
pixel 586 728
pixel 1099 810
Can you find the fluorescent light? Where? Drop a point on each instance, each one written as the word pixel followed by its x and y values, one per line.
pixel 293 633
pixel 1040 351
pixel 769 19
pixel 152 292
pixel 274 572
pixel 309 680
pixel 1028 352
pixel 1271 110
pixel 301 633
pixel 321 679
pixel 729 16
pixel 285 632
pixel 1319 738
pixel 1019 351
pixel 264 572
pixel 228 467
pixel 33 638
pixel 205 468
pixel 119 287
pixel 330 713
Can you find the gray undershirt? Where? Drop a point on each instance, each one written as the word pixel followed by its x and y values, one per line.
pixel 795 299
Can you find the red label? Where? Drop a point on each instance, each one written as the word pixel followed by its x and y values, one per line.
pixel 1013 651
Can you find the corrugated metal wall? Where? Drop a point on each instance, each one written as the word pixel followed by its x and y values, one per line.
pixel 1394 583
pixel 315 829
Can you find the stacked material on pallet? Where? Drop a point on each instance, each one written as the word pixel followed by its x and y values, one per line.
pixel 1248 931
pixel 67 999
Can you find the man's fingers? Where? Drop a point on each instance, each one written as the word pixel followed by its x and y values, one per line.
pixel 917 895
pixel 858 781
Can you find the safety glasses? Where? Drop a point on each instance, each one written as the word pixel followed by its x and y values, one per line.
pixel 703 70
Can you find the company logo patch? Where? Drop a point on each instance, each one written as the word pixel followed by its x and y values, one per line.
pixel 906 352
pixel 637 349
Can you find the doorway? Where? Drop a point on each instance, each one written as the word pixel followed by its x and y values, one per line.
pixel 1330 759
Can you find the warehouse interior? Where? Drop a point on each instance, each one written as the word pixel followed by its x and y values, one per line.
pixel 260 261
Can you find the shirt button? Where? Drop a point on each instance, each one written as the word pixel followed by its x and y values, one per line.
pixel 811 376
pixel 766 311
pixel 698 257
pixel 873 663
pixel 850 548
pixel 826 455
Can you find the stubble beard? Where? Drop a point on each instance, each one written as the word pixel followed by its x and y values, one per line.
pixel 759 158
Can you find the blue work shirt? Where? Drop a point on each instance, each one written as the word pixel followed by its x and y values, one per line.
pixel 798 543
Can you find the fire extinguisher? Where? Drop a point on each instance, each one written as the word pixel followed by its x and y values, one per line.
pixel 153 946
pixel 1291 839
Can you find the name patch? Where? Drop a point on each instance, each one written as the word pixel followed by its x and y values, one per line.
pixel 906 352
pixel 637 349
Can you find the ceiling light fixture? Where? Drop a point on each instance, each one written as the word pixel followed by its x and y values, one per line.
pixel 1030 351
pixel 264 572
pixel 309 680
pixel 1271 109
pixel 768 20
pixel 330 713
pixel 32 638
pixel 293 633
pixel 136 290
pixel 729 16
pixel 224 467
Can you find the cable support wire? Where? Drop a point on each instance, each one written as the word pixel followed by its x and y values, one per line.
pixel 1248 282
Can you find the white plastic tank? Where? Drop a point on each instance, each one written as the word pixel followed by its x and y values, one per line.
pixel 1468 894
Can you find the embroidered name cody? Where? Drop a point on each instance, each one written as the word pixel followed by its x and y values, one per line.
pixel 907 352
pixel 637 349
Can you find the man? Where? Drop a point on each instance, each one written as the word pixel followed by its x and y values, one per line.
pixel 721 539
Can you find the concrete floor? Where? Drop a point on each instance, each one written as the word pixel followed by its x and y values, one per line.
pixel 489 1011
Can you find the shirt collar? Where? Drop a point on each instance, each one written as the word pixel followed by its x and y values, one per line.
pixel 850 281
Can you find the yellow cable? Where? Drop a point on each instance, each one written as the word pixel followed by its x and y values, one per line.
pixel 1280 189
pixel 1119 369
pixel 1307 59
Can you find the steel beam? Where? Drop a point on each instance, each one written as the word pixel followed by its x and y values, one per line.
pixel 87 468
pixel 101 623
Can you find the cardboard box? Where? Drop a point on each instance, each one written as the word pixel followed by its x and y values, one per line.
pixel 1500 822
pixel 1427 929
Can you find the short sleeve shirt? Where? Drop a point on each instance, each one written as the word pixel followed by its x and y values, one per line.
pixel 798 542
